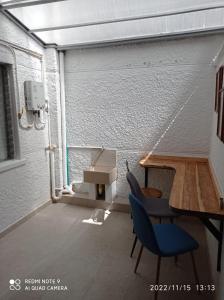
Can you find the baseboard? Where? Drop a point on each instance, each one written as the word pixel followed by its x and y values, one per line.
pixel 69 199
pixel 24 219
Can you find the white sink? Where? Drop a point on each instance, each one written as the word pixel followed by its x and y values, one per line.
pixel 100 175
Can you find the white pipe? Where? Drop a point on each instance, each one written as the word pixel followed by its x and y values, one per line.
pixel 51 148
pixel 38 124
pixel 22 49
pixel 63 119
pixel 68 190
pixel 52 175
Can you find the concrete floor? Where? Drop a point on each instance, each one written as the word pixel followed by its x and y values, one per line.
pixel 92 260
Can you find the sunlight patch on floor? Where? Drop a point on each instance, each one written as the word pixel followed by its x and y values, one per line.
pixel 98 217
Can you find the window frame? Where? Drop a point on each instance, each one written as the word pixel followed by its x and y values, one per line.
pixel 16 161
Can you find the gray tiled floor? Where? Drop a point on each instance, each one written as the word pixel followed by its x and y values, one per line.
pixel 91 260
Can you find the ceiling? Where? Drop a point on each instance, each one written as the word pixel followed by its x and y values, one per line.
pixel 82 22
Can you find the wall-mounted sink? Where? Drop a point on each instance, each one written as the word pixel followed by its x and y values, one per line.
pixel 100 175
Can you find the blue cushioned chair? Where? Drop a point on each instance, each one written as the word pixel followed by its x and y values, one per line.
pixel 164 240
pixel 158 208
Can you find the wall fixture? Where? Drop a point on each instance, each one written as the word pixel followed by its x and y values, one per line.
pixel 35 103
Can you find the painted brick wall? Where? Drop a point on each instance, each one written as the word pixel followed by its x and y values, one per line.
pixel 26 187
pixel 134 98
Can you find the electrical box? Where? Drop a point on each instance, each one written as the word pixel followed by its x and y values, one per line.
pixel 34 95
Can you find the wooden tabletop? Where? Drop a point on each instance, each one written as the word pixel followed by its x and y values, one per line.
pixel 194 189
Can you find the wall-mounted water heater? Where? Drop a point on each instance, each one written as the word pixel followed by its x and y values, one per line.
pixel 34 95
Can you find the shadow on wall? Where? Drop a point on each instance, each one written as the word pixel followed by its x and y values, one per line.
pixel 163 179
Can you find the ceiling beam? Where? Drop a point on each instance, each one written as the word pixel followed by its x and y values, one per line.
pixel 135 18
pixel 11 2
pixel 142 39
pixel 24 3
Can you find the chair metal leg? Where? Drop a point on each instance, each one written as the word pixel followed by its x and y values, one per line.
pixel 160 220
pixel 146 177
pixel 157 276
pixel 138 259
pixel 176 259
pixel 133 247
pixel 194 268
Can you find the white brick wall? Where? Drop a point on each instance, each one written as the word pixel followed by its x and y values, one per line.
pixel 124 97
pixel 24 188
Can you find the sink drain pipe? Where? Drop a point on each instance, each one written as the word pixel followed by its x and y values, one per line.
pixel 63 120
pixel 66 189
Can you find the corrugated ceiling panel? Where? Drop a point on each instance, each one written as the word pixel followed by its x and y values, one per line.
pixel 133 29
pixel 76 11
pixel 72 12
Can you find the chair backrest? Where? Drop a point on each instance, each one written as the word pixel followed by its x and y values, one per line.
pixel 127 166
pixel 142 225
pixel 134 186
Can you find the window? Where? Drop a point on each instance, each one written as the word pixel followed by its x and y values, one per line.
pixel 7 148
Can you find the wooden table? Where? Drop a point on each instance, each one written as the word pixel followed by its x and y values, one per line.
pixel 194 190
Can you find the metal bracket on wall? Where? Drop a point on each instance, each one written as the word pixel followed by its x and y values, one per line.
pixel 218 234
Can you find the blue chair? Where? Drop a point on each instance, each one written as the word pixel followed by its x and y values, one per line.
pixel 164 240
pixel 155 207
pixel 148 192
